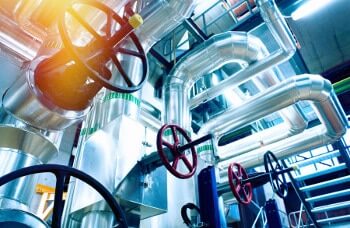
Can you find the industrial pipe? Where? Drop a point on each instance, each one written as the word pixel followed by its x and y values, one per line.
pixel 160 17
pixel 304 87
pixel 281 33
pixel 342 86
pixel 216 52
pixel 220 49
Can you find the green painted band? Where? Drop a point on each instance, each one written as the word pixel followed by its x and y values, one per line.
pixel 204 148
pixel 90 130
pixel 123 96
pixel 168 132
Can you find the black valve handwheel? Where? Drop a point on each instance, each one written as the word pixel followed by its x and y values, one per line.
pixel 277 174
pixel 61 173
pixel 105 47
pixel 243 192
pixel 185 218
pixel 177 154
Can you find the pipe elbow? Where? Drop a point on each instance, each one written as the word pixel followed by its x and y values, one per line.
pixel 171 81
pixel 313 87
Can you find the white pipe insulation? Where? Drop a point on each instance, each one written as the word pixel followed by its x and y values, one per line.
pixel 281 33
pixel 313 88
pixel 160 18
pixel 216 52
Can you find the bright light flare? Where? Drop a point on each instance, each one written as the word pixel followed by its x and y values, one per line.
pixel 308 8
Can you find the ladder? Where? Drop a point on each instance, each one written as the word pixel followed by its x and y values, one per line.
pixel 324 191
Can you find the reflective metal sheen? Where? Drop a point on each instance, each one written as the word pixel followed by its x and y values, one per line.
pixel 28 104
pixel 303 87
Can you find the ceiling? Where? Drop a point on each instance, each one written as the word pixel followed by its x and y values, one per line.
pixel 324 39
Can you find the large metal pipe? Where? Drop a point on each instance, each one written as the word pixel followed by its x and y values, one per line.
pixel 294 120
pixel 210 55
pixel 161 17
pixel 213 54
pixel 20 146
pixel 309 139
pixel 281 33
pixel 303 87
pixel 168 15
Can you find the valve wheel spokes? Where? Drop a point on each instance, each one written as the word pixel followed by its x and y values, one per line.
pixel 107 47
pixel 277 178
pixel 175 152
pixel 62 173
pixel 242 192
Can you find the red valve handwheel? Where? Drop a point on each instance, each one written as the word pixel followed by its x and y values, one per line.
pixel 242 192
pixel 174 149
pixel 104 48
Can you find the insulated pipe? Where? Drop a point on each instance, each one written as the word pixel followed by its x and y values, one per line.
pixel 157 23
pixel 281 33
pixel 21 146
pixel 342 86
pixel 161 17
pixel 210 55
pixel 168 15
pixel 294 123
pixel 309 139
pixel 255 141
pixel 213 53
pixel 304 87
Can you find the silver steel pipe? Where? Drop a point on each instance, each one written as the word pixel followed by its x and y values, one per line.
pixel 304 87
pixel 21 146
pixel 281 33
pixel 163 20
pixel 161 17
pixel 210 55
pixel 288 92
pixel 29 105
pixel 168 15
pixel 295 121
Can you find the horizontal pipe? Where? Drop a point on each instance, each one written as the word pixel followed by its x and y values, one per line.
pixel 332 117
pixel 288 92
pixel 255 141
pixel 342 86
pixel 309 139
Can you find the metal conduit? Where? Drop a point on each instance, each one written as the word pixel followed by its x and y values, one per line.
pixel 304 87
pixel 216 52
pixel 281 33
pixel 161 17
pixel 228 47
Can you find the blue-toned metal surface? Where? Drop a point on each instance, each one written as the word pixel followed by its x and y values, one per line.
pixel 208 197
pixel 272 214
pixel 330 195
pixel 324 184
pixel 321 172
